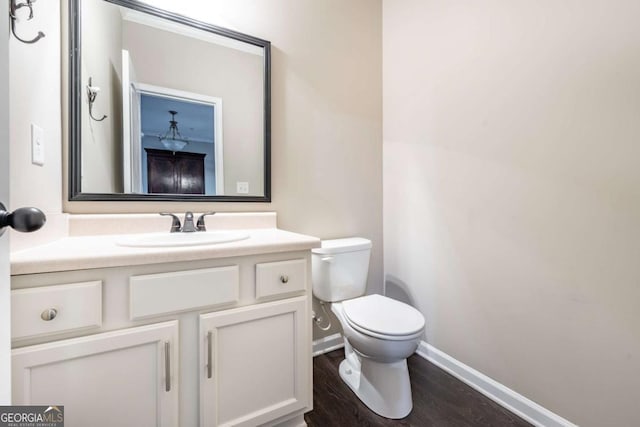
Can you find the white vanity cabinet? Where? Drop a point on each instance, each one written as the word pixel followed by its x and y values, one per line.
pixel 219 342
pixel 123 378
pixel 255 367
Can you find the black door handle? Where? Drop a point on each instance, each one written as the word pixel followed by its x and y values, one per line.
pixel 25 220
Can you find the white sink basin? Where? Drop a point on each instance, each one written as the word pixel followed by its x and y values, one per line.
pixel 199 238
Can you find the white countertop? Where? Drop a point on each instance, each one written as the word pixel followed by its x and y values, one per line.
pixel 86 252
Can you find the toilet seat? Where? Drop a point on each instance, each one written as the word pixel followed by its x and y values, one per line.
pixel 382 317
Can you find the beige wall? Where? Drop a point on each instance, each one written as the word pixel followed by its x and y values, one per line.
pixel 512 192
pixel 102 60
pixel 326 108
pixel 212 70
pixel 34 97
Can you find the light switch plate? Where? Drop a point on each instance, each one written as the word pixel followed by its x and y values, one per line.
pixel 242 187
pixel 37 145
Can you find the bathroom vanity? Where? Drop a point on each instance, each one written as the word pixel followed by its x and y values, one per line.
pixel 210 335
pixel 186 329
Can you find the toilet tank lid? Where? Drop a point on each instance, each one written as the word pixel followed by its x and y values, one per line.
pixel 336 246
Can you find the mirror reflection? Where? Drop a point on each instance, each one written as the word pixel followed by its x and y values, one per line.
pixel 167 108
pixel 169 160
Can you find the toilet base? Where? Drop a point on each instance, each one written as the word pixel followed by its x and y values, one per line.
pixel 384 387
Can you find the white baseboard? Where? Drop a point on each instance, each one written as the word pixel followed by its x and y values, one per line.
pixel 502 395
pixel 327 344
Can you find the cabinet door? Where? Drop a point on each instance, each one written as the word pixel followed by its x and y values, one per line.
pixel 175 172
pixel 121 378
pixel 256 363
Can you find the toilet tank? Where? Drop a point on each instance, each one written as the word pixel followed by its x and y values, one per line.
pixel 339 268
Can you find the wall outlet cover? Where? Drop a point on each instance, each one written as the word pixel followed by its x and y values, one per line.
pixel 242 187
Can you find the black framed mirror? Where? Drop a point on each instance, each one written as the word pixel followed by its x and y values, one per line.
pixel 163 107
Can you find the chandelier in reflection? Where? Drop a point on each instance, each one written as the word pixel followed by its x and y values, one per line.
pixel 172 139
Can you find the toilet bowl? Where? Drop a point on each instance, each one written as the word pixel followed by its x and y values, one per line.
pixel 379 332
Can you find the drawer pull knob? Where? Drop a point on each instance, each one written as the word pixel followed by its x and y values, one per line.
pixel 284 278
pixel 49 314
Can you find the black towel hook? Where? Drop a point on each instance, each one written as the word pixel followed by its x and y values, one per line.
pixel 13 7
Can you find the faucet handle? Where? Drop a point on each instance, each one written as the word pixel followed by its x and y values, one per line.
pixel 200 226
pixel 175 223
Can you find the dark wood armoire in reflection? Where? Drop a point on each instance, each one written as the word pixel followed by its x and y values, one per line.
pixel 175 172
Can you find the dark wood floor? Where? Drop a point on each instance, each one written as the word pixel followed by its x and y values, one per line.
pixel 438 400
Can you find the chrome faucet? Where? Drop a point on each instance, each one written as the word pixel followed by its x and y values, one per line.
pixel 188 226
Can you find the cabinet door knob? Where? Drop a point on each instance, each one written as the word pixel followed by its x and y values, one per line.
pixel 284 278
pixel 49 314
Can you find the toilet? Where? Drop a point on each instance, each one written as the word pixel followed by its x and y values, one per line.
pixel 379 332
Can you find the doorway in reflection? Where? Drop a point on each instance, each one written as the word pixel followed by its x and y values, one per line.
pixel 178 142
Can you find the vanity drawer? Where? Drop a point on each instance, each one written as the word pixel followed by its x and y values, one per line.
pixel 165 293
pixel 279 278
pixel 54 309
